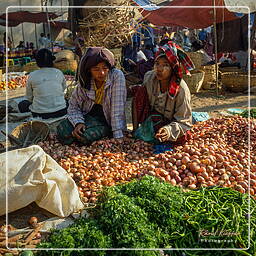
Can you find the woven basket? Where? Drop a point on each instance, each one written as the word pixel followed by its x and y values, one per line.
pixel 30 67
pixel 31 132
pixel 195 81
pixel 209 76
pixel 238 81
pixel 66 65
pixel 197 58
pixel 229 69
pixel 64 55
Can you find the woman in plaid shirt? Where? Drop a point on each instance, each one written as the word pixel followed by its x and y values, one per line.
pixel 97 105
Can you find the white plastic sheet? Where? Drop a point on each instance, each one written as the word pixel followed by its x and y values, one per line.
pixel 33 176
pixel 236 3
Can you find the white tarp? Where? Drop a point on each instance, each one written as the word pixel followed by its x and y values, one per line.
pixel 250 3
pixel 33 176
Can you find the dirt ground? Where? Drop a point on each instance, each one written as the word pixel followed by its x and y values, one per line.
pixel 208 101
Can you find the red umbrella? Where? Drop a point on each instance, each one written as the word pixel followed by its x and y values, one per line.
pixel 189 17
pixel 26 16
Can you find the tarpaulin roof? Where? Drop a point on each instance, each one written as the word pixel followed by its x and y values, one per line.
pixel 178 12
pixel 26 16
pixel 61 24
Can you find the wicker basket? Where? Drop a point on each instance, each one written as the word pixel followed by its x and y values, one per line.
pixel 66 65
pixel 209 76
pixel 238 81
pixel 197 58
pixel 31 132
pixel 30 67
pixel 64 55
pixel 229 69
pixel 195 81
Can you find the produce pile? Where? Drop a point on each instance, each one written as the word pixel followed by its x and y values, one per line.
pixel 149 213
pixel 217 154
pixel 20 81
pixel 13 83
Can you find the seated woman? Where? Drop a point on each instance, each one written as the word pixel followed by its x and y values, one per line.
pixel 165 96
pixel 97 105
pixel 45 89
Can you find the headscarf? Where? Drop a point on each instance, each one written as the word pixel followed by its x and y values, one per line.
pixel 92 57
pixel 176 56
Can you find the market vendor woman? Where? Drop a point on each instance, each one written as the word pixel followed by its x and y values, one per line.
pixel 97 105
pixel 165 96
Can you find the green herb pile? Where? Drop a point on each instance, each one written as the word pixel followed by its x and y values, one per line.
pixel 246 113
pixel 148 213
pixel 68 72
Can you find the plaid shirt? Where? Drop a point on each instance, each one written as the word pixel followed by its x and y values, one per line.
pixel 82 101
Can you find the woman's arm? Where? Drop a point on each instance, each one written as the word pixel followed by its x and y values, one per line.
pixel 118 101
pixel 29 90
pixel 75 108
pixel 182 116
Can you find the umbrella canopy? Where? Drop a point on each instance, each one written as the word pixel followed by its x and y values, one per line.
pixel 199 17
pixel 26 16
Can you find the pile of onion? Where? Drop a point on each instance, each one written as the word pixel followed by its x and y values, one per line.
pixel 217 154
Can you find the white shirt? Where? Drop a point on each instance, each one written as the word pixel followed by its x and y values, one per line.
pixel 42 42
pixel 45 89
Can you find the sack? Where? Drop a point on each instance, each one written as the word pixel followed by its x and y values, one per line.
pixel 33 176
pixel 146 130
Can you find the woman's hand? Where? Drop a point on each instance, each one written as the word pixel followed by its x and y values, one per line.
pixel 79 130
pixel 162 134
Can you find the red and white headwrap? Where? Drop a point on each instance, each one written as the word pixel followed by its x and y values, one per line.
pixel 176 56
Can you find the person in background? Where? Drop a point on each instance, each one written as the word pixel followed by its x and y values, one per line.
pixel 45 89
pixel 165 96
pixel 148 33
pixel 9 41
pixel 165 35
pixel 148 51
pixel 79 44
pixel 202 35
pixel 21 45
pixel 97 106
pixel 42 41
pixel 48 41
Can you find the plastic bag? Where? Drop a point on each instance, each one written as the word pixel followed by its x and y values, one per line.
pixel 146 131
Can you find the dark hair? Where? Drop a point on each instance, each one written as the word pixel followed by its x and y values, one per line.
pixel 44 58
pixel 93 57
pixel 197 45
pixel 42 34
pixel 164 41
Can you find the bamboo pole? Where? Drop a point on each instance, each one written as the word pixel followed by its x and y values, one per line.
pixel 12 38
pixel 36 37
pixel 216 50
pixel 22 27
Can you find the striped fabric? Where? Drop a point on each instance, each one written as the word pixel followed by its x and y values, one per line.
pixel 82 101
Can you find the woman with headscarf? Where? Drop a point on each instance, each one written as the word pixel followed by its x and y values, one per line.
pixel 97 105
pixel 165 96
pixel 45 89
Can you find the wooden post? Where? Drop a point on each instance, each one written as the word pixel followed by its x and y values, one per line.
pixel 12 38
pixel 215 46
pixel 36 37
pixel 22 27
